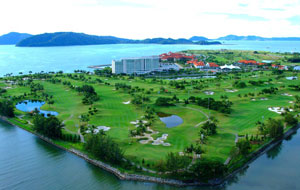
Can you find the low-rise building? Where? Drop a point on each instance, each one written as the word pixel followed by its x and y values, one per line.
pixel 212 66
pixel 251 63
pixel 138 65
pixel 247 62
pixel 176 57
pixel 279 67
pixel 196 64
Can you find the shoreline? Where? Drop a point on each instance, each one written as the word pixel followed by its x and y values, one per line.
pixel 173 182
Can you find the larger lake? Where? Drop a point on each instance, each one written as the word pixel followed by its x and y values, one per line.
pixel 24 59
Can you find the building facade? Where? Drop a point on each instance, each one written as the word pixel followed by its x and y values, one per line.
pixel 139 65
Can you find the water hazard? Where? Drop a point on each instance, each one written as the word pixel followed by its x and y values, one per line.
pixel 170 120
pixel 31 105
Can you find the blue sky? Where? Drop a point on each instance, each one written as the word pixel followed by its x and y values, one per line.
pixel 153 18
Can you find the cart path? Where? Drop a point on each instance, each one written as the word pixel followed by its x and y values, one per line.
pixel 198 110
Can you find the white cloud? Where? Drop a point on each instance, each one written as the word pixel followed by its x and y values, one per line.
pixel 152 18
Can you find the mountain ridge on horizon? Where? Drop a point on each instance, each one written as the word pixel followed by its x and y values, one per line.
pixel 72 38
pixel 257 38
pixel 13 38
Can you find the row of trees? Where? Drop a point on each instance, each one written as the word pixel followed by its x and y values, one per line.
pixel 202 169
pixel 256 83
pixel 223 106
pixel 295 87
pixel 271 90
pixel 104 148
pixel 239 84
pixel 48 126
pixel 208 169
pixel 7 108
pixel 139 99
pixel 2 91
pixel 90 95
pixel 273 128
pixel 163 101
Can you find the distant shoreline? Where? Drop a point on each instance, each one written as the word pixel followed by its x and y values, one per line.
pixel 194 44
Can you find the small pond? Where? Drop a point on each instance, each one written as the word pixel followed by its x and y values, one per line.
pixel 31 105
pixel 170 120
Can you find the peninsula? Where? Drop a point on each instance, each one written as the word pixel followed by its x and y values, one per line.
pixel 195 125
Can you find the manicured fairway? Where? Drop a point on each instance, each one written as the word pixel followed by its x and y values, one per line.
pixel 113 113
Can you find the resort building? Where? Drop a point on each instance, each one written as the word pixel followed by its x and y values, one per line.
pixel 212 66
pixel 173 57
pixel 247 62
pixel 251 63
pixel 196 64
pixel 279 67
pixel 138 65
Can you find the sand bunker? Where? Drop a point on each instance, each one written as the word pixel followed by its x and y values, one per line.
pixel 137 121
pixel 98 129
pixel 209 92
pixel 278 110
pixel 229 90
pixel 264 99
pixel 160 140
pixel 291 102
pixel 286 94
pixel 126 102
pixel 148 136
pixel 292 78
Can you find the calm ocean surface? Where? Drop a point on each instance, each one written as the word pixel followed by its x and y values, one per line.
pixel 24 59
pixel 27 162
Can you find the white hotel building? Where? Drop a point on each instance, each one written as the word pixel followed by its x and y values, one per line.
pixel 139 65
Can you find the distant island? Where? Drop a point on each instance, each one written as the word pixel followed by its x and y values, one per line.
pixel 71 39
pixel 198 38
pixel 258 38
pixel 13 38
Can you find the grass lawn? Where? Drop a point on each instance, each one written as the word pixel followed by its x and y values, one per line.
pixel 113 113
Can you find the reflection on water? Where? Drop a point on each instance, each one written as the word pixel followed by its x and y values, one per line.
pixel 170 120
pixel 47 148
pixel 274 152
pixel 31 105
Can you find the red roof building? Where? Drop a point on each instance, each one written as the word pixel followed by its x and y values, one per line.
pixel 197 64
pixel 214 65
pixel 248 62
pixel 176 56
pixel 279 67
